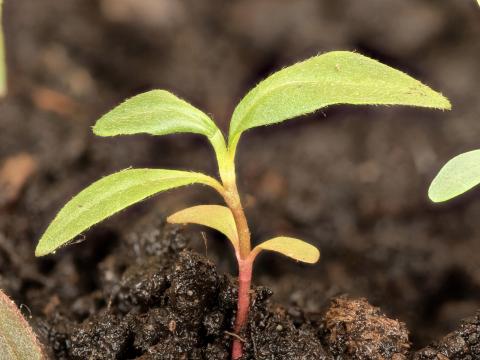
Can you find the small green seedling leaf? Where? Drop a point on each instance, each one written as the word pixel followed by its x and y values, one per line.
pixel 17 340
pixel 294 248
pixel 155 112
pixel 214 216
pixel 457 176
pixel 108 196
pixel 338 77
pixel 3 65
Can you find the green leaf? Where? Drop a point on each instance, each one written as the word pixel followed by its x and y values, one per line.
pixel 294 248
pixel 457 176
pixel 214 216
pixel 155 112
pixel 17 340
pixel 110 195
pixel 3 64
pixel 338 77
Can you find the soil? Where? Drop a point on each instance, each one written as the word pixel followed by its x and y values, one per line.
pixel 351 180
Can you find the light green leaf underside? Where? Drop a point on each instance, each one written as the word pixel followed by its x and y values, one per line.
pixel 3 65
pixel 156 112
pixel 338 77
pixel 108 196
pixel 17 340
pixel 457 176
pixel 294 248
pixel 214 216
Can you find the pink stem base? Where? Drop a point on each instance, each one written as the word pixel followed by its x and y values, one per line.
pixel 243 303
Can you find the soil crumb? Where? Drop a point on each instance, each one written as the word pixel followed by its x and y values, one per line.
pixel 461 344
pixel 357 330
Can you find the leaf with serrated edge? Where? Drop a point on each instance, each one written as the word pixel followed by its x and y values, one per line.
pixel 17 340
pixel 110 195
pixel 156 112
pixel 457 176
pixel 294 248
pixel 214 216
pixel 338 77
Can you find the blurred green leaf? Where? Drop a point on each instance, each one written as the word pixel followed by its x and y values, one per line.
pixel 214 216
pixel 156 112
pixel 3 64
pixel 108 196
pixel 17 340
pixel 294 248
pixel 457 176
pixel 338 77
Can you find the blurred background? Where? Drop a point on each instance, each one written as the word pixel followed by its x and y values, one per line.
pixel 351 180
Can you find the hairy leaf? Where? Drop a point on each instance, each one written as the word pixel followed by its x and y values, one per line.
pixel 457 176
pixel 214 216
pixel 338 77
pixel 3 64
pixel 108 196
pixel 17 340
pixel 156 112
pixel 294 248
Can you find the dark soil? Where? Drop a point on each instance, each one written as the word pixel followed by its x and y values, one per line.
pixel 350 180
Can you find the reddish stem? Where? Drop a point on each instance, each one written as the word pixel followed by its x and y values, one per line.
pixel 243 303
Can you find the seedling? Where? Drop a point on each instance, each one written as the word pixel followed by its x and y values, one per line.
pixel 17 339
pixel 328 79
pixel 456 177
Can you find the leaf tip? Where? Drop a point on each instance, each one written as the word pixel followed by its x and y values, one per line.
pixel 41 249
pixel 444 103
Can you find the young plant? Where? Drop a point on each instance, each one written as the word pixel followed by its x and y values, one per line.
pixel 17 339
pixel 456 177
pixel 332 78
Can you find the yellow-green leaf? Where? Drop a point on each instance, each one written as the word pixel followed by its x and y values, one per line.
pixel 17 340
pixel 457 176
pixel 214 216
pixel 108 196
pixel 156 112
pixel 338 77
pixel 294 248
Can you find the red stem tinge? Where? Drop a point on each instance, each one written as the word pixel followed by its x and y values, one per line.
pixel 243 303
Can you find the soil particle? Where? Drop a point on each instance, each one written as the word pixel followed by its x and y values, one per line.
pixel 102 337
pixel 194 284
pixel 355 329
pixel 461 344
pixel 274 336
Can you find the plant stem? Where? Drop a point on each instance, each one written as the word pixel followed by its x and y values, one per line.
pixel 245 261
pixel 226 166
pixel 243 303
pixel 232 198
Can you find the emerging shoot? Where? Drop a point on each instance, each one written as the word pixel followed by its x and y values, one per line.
pixel 333 78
